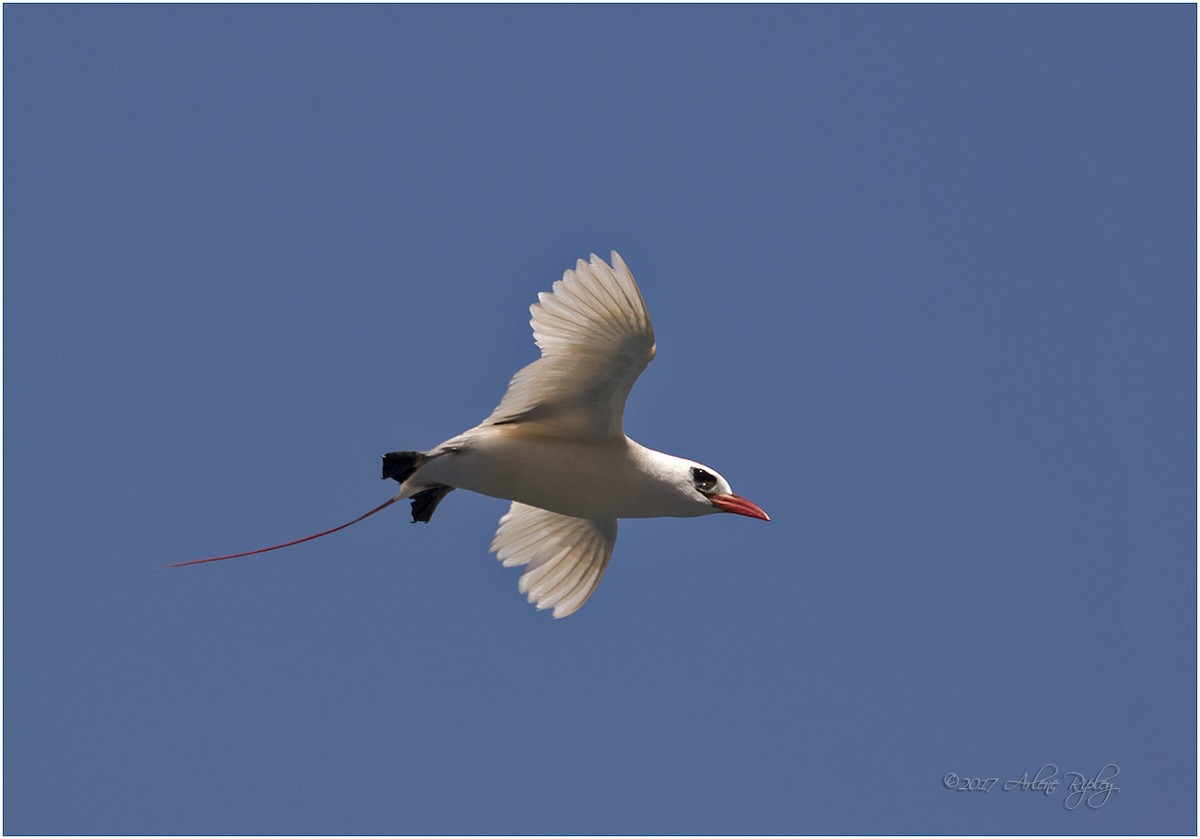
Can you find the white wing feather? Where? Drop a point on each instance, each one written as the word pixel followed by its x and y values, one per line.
pixel 596 339
pixel 564 556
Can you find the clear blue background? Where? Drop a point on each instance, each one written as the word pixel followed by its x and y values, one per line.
pixel 924 283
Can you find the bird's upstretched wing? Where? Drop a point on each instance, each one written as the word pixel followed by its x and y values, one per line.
pixel 596 339
pixel 564 556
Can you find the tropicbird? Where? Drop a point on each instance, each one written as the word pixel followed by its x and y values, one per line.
pixel 556 448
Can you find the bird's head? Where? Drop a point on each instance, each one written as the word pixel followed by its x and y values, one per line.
pixel 708 487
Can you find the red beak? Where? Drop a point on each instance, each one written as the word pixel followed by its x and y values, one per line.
pixel 731 503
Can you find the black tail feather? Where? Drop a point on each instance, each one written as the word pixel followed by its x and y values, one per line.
pixel 399 466
pixel 426 501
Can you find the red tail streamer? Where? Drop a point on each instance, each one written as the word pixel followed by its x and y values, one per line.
pixel 287 544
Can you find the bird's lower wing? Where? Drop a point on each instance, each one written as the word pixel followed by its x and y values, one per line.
pixel 564 556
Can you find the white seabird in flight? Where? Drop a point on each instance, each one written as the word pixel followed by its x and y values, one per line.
pixel 556 447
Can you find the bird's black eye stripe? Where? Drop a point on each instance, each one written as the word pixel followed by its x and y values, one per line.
pixel 703 480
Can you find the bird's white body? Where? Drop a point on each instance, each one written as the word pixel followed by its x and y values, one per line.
pixel 597 479
pixel 555 446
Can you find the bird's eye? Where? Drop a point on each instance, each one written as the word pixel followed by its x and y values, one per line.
pixel 704 481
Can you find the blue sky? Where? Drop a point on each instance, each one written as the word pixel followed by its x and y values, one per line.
pixel 924 287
